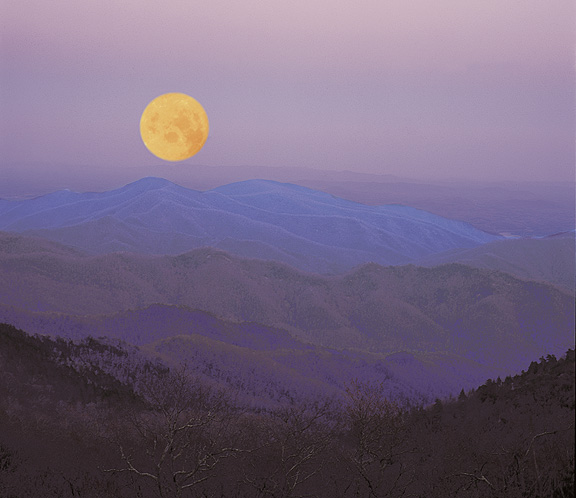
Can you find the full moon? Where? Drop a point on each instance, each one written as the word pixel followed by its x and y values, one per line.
pixel 174 126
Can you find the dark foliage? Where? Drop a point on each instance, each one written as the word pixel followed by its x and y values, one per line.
pixel 95 419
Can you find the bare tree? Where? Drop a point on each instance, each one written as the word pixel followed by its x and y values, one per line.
pixel 177 442
pixel 294 450
pixel 377 436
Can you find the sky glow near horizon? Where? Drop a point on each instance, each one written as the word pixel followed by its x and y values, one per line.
pixel 480 89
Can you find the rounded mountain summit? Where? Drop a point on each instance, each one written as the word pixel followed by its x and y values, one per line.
pixel 310 230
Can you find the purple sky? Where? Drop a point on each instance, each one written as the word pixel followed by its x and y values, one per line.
pixel 478 89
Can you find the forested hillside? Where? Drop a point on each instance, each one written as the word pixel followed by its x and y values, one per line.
pixel 122 425
pixel 482 315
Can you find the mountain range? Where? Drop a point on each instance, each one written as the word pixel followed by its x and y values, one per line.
pixel 330 291
pixel 262 363
pixel 307 229
pixel 549 259
pixel 483 315
pixel 521 208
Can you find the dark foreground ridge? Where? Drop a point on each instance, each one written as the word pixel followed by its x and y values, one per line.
pixel 98 419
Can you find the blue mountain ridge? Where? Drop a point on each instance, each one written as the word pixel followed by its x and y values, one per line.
pixel 311 230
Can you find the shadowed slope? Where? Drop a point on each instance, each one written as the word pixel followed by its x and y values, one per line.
pixel 549 259
pixel 485 315
pixel 264 364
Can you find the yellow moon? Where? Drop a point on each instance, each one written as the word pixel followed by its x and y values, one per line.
pixel 174 126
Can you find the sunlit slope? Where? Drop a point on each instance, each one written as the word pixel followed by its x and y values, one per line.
pixel 307 229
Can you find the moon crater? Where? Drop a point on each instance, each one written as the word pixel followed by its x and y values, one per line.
pixel 174 126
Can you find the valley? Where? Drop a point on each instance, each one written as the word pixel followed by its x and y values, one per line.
pixel 275 304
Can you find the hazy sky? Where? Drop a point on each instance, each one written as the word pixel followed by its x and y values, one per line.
pixel 465 88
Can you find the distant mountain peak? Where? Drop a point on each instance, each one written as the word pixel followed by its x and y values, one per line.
pixel 249 187
pixel 150 183
pixel 265 219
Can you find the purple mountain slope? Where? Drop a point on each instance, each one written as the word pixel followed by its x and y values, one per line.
pixel 281 374
pixel 424 332
pixel 550 259
pixel 310 230
pixel 484 315
pixel 151 324
pixel 264 364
